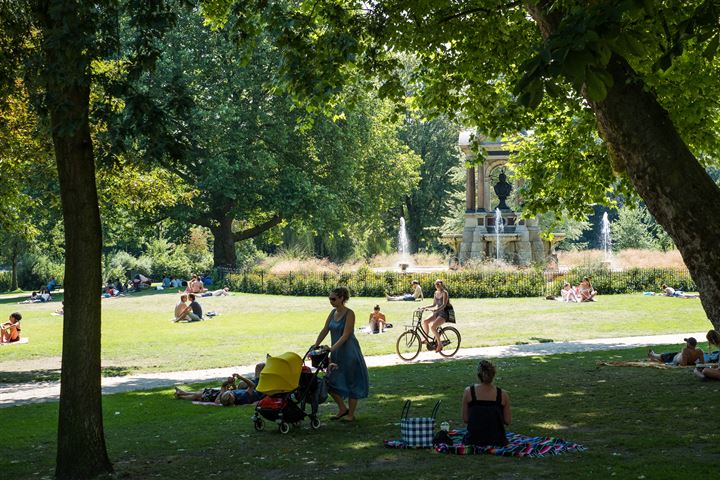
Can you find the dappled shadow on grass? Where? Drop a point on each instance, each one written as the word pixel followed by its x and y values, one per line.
pixel 635 422
pixel 17 299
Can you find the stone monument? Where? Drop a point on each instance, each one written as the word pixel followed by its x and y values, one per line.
pixel 520 241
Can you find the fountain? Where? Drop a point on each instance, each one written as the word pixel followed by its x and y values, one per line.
pixel 499 229
pixel 606 241
pixel 403 246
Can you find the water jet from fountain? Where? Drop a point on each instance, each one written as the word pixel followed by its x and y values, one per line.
pixel 403 246
pixel 499 228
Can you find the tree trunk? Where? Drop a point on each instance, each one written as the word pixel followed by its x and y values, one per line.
pixel 675 187
pixel 644 143
pixel 81 452
pixel 224 245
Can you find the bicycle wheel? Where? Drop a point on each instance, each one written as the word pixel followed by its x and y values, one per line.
pixel 450 338
pixel 408 345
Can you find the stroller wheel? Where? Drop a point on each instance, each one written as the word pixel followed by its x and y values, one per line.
pixel 284 427
pixel 314 423
pixel 259 425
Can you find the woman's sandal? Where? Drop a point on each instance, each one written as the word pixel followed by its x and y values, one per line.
pixel 340 415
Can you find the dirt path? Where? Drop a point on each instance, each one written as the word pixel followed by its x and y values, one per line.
pixel 38 392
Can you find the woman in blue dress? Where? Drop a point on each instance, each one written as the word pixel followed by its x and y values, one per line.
pixel 348 377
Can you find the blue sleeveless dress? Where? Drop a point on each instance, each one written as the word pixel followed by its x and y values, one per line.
pixel 350 379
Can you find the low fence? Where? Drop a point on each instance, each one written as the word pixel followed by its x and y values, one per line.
pixel 462 284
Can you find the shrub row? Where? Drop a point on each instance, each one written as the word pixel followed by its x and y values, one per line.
pixel 464 284
pixel 5 279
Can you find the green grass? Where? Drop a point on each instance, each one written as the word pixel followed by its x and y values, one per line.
pixel 138 334
pixel 636 423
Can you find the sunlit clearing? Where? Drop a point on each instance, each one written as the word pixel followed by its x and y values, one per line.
pixel 553 395
pixel 550 426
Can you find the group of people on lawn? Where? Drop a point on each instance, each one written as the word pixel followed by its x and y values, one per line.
pixel 485 407
pixel 583 292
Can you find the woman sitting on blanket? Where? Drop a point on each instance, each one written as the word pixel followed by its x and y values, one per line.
pixel 486 410
pixel 713 373
pixel 11 329
pixel 229 393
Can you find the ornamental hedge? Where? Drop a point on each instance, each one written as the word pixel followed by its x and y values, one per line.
pixel 460 284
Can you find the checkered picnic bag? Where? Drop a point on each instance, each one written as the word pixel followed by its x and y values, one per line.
pixel 417 431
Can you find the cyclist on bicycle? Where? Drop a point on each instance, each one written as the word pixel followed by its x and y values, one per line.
pixel 440 307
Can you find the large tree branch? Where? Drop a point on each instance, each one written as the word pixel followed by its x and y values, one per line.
pixel 257 229
pixel 470 11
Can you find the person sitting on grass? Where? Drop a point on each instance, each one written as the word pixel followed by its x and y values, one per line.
pixel 195 306
pixel 585 290
pixel 568 294
pixel 34 298
pixel 183 311
pixel 671 292
pixel 712 373
pixel 377 320
pixel 195 285
pixel 235 390
pixel 417 294
pixel 690 355
pixel 10 330
pixel 486 410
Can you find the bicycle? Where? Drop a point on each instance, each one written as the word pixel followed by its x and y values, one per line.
pixel 409 342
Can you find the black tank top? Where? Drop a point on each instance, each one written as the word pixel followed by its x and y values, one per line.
pixel 486 425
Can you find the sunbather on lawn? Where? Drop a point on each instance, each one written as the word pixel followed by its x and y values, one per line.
pixel 690 355
pixel 235 390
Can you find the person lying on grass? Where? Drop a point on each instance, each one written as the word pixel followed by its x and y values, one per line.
pixel 235 390
pixel 11 329
pixel 712 373
pixel 690 355
pixel 671 292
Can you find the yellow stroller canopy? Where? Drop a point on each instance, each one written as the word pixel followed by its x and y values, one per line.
pixel 281 374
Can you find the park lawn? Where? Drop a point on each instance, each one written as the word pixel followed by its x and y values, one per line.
pixel 138 335
pixel 635 422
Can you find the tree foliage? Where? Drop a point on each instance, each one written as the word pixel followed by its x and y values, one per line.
pixel 249 156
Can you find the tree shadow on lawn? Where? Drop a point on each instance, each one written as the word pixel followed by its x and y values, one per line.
pixel 18 299
pixel 53 374
pixel 634 421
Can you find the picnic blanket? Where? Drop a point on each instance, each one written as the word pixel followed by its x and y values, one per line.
pixel 22 340
pixel 647 364
pixel 518 446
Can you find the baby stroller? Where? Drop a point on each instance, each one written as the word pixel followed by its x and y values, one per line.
pixel 290 386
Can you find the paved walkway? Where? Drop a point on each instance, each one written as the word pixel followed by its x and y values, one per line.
pixel 20 394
